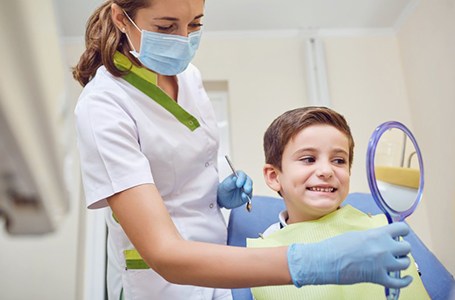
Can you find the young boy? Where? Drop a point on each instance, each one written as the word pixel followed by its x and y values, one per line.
pixel 309 153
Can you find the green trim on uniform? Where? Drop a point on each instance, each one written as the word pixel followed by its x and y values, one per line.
pixel 124 64
pixel 115 218
pixel 145 81
pixel 121 295
pixel 134 260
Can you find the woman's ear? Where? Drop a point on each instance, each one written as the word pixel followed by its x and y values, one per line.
pixel 118 17
pixel 271 177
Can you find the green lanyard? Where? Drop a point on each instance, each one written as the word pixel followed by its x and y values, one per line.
pixel 145 81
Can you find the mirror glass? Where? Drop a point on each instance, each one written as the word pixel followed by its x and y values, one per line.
pixel 395 170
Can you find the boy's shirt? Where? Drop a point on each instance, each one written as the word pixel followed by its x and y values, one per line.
pixel 340 221
pixel 282 217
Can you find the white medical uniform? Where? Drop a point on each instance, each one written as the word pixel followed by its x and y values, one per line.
pixel 126 139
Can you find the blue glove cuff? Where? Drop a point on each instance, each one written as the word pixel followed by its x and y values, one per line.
pixel 291 265
pixel 302 263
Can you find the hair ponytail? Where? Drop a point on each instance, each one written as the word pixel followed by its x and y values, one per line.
pixel 103 39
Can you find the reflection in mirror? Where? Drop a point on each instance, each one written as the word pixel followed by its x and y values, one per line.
pixel 397 169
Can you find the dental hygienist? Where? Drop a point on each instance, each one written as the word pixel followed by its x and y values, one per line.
pixel 147 138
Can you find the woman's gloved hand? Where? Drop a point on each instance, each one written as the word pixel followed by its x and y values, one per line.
pixel 360 256
pixel 233 191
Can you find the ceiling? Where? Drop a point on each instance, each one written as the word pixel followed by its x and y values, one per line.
pixel 260 15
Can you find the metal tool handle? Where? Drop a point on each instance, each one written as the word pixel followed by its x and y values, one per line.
pixel 249 205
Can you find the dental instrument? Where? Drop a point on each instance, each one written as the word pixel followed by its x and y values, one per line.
pixel 249 205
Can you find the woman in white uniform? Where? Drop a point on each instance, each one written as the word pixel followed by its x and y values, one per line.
pixel 148 143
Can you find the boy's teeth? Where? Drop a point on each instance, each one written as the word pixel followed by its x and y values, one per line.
pixel 319 189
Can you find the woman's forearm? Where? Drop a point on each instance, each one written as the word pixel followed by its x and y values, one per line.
pixel 146 221
pixel 220 266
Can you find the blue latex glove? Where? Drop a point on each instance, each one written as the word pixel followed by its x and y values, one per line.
pixel 233 191
pixel 360 256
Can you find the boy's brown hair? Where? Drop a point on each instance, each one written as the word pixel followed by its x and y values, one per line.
pixel 290 123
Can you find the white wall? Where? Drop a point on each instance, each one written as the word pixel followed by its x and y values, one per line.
pixel 427 45
pixel 41 267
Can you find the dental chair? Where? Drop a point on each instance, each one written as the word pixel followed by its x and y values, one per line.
pixel 242 225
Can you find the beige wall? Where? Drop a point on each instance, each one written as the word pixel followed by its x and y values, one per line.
pixel 368 86
pixel 365 79
pixel 265 76
pixel 427 45
pixel 369 83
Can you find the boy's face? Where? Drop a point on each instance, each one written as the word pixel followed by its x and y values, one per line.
pixel 314 176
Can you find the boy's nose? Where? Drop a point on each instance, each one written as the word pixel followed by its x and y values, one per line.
pixel 324 170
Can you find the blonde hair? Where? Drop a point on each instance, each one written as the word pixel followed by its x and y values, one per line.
pixel 103 39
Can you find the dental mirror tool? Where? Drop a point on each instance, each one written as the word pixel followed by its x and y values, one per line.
pixel 248 206
pixel 395 175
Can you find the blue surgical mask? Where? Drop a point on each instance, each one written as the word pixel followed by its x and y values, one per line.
pixel 166 54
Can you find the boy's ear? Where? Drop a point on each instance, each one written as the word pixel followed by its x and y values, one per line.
pixel 271 177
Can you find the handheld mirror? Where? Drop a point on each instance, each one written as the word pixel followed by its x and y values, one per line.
pixel 395 175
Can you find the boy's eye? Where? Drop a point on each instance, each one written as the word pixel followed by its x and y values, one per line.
pixel 307 159
pixel 339 161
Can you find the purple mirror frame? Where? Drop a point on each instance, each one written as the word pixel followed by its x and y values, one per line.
pixel 391 214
